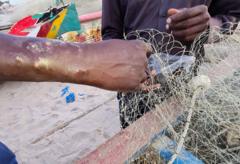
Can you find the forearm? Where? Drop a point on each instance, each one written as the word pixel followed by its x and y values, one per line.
pixel 113 65
pixel 31 59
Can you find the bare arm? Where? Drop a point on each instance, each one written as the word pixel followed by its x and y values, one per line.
pixel 113 65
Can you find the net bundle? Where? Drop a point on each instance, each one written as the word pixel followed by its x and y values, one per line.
pixel 204 81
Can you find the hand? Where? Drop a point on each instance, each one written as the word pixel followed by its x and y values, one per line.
pixel 187 24
pixel 119 65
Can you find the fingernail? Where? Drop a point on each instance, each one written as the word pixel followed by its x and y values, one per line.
pixel 169 21
pixel 167 26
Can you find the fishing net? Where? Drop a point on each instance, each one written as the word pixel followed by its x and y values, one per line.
pixel 203 80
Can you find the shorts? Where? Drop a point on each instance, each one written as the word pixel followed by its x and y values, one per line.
pixel 6 155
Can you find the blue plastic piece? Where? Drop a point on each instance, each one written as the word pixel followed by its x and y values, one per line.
pixel 81 94
pixel 70 98
pixel 65 91
pixel 185 157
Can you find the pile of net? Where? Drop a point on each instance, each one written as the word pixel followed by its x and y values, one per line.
pixel 205 81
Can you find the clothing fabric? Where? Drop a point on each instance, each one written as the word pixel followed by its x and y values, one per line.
pixel 123 16
pixel 6 155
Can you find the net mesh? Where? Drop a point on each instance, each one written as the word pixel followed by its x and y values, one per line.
pixel 209 123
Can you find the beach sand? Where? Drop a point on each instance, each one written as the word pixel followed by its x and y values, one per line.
pixel 40 127
pixel 38 124
pixel 29 7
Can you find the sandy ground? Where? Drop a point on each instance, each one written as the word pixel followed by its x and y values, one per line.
pixel 29 7
pixel 41 128
pixel 38 124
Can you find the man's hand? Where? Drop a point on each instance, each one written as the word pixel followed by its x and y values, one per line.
pixel 186 24
pixel 119 65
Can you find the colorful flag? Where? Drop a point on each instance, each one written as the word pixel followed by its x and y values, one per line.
pixel 51 24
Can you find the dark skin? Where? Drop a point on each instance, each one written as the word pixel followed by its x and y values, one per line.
pixel 188 23
pixel 113 65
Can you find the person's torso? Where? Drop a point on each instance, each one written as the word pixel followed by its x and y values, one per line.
pixel 152 14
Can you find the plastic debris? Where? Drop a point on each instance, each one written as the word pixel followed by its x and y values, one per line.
pixel 70 98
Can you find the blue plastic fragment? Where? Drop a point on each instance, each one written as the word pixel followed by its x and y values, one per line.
pixel 166 155
pixel 81 94
pixel 65 91
pixel 185 157
pixel 70 98
pixel 165 151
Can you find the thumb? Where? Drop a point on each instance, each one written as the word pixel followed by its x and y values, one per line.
pixel 173 11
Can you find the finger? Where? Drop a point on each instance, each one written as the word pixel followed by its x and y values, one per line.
pixel 190 31
pixel 191 37
pixel 145 77
pixel 172 11
pixel 153 73
pixel 148 88
pixel 150 76
pixel 148 48
pixel 201 19
pixel 187 13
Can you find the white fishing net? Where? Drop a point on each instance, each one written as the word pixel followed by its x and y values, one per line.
pixel 204 81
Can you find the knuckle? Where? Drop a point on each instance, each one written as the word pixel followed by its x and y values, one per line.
pixel 176 33
pixel 186 14
pixel 136 42
pixel 207 15
pixel 189 38
pixel 204 7
pixel 185 32
pixel 140 42
pixel 187 23
pixel 204 17
pixel 139 45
